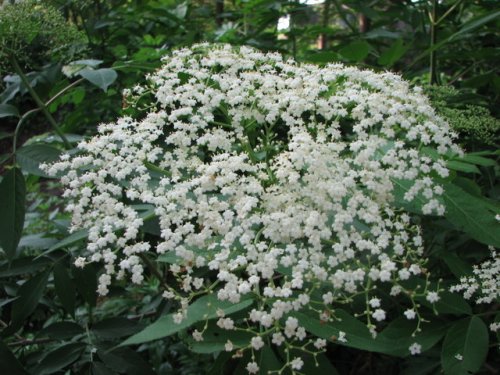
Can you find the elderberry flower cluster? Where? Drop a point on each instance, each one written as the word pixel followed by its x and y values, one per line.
pixel 485 281
pixel 277 178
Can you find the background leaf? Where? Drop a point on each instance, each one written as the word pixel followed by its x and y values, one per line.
pixel 13 196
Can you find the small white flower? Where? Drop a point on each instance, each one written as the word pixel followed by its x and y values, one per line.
pixel 252 368
pixel 374 302
pixel 342 337
pixel 228 346
pixel 459 357
pixel 80 262
pixel 297 363
pixel 379 315
pixel 415 348
pixel 257 342
pixel 410 314
pixel 197 336
pixel 432 297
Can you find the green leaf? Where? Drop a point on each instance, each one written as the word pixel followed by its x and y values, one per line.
pixel 472 215
pixel 29 294
pixel 394 340
pixel 13 197
pixel 467 338
pixel 86 283
pixel 356 51
pixel 8 110
pixel 65 288
pixel 99 368
pixel 59 358
pixel 70 240
pixel 323 57
pixel 202 309
pixel 23 266
pixel 30 157
pixel 9 363
pixel 112 328
pixel 466 27
pixel 102 78
pixel 478 160
pixel 61 331
pixel 215 339
pixel 126 361
pixel 449 303
pixel 462 167
pixel 391 55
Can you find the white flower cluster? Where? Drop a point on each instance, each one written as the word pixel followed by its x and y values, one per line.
pixel 277 177
pixel 485 281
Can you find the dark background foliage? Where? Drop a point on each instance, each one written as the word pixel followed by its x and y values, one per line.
pixel 64 64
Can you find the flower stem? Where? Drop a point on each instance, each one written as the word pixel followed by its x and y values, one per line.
pixel 39 103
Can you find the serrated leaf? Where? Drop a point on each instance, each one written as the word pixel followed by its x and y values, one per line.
pixel 13 198
pixel 30 157
pixel 202 309
pixel 65 288
pixel 102 78
pixel 465 347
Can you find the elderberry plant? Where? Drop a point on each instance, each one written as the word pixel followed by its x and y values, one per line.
pixel 272 185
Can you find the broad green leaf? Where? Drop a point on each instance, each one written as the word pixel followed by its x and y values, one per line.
pixel 70 240
pixel 215 339
pixel 391 55
pixel 115 327
pixel 465 347
pixel 449 303
pixel 61 331
pixel 59 358
pixel 9 363
pixel 30 157
pixel 467 27
pixel 12 201
pixel 86 283
pixel 394 340
pixel 102 78
pixel 202 309
pixel 462 167
pixel 356 51
pixel 36 242
pixel 457 266
pixel 472 215
pixel 323 57
pixel 8 110
pixel 29 294
pixel 99 368
pixel 65 288
pixel 267 361
pixel 125 361
pixel 23 266
pixel 478 160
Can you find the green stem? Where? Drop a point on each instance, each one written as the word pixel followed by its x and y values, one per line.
pixel 433 60
pixel 39 102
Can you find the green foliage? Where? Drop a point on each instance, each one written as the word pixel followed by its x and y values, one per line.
pixel 33 32
pixel 53 322
pixel 473 122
